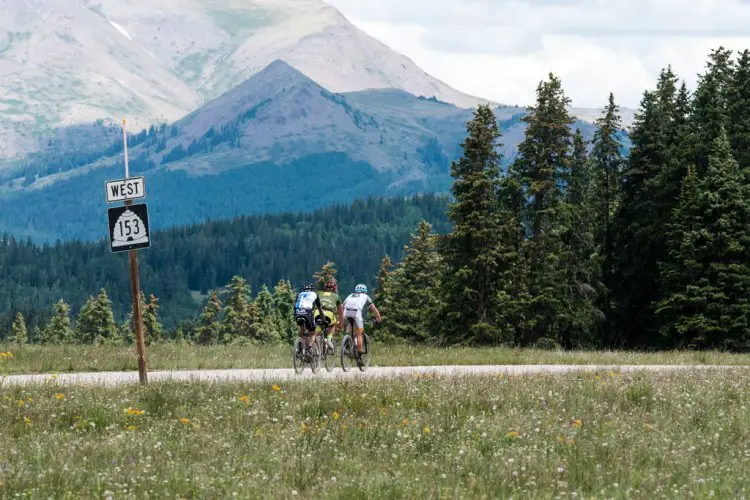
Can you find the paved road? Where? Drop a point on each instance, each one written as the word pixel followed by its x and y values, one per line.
pixel 273 375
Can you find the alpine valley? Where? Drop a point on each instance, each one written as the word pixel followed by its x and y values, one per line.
pixel 246 107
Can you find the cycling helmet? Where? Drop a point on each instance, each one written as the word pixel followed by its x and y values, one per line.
pixel 331 285
pixel 360 288
pixel 309 287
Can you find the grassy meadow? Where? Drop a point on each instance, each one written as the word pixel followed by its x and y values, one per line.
pixel 173 356
pixel 585 435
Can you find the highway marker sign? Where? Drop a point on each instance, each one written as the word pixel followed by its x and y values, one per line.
pixel 128 228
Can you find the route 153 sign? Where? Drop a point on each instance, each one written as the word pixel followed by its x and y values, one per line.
pixel 128 228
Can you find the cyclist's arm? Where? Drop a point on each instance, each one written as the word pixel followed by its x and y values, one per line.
pixel 375 310
pixel 341 315
pixel 320 307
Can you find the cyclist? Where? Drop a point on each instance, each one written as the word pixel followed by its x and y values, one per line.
pixel 333 308
pixel 353 308
pixel 308 312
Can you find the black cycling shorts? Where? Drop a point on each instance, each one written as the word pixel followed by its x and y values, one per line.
pixel 305 318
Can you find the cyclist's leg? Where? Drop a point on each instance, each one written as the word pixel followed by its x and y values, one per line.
pixel 360 330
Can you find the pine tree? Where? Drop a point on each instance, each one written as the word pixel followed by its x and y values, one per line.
pixel 267 329
pixel 18 331
pixel 237 319
pixel 416 301
pixel 58 330
pixel 583 261
pixel 739 112
pixel 607 164
pixel 283 301
pixel 383 297
pixel 96 322
pixel 152 328
pixel 711 103
pixel 209 328
pixel 328 271
pixel 471 251
pixel 710 299
pixel 543 166
pixel 648 200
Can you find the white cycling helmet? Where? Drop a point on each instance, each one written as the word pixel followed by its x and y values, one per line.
pixel 360 288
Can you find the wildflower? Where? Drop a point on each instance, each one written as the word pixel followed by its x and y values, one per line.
pixel 276 388
pixel 405 421
pixel 576 423
pixel 336 415
pixel 244 399
pixel 59 396
pixel 426 430
pixel 6 355
pixel 27 421
pixel 131 427
pixel 512 435
pixel 560 439
pixel 305 427
pixel 185 421
pixel 134 411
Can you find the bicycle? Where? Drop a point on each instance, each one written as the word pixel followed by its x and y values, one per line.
pixel 302 354
pixel 349 350
pixel 327 352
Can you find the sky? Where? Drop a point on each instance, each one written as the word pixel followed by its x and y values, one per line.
pixel 501 49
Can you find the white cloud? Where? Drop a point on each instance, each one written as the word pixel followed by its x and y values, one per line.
pixel 501 49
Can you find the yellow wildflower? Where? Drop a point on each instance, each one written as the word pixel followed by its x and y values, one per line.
pixel 426 430
pixel 27 421
pixel 132 427
pixel 336 415
pixel 560 439
pixel 59 396
pixel 305 427
pixel 276 388
pixel 244 399
pixel 6 355
pixel 405 421
pixel 134 411
pixel 576 423
pixel 185 420
pixel 513 435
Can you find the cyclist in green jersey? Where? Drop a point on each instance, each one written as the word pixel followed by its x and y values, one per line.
pixel 333 308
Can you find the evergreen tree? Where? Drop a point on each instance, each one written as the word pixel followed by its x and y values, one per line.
pixel 606 164
pixel 267 325
pixel 283 301
pixel 328 271
pixel 543 166
pixel 471 251
pixel 209 328
pixel 711 103
pixel 710 298
pixel 416 303
pixel 649 195
pixel 58 330
pixel 152 328
pixel 237 318
pixel 383 297
pixel 583 261
pixel 739 113
pixel 18 331
pixel 96 321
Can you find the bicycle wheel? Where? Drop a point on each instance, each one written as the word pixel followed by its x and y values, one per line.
pixel 329 355
pixel 347 347
pixel 366 352
pixel 298 357
pixel 315 357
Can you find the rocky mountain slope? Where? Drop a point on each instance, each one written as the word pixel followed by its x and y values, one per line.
pixel 66 62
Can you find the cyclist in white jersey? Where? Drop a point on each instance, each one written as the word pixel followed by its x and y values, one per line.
pixel 354 305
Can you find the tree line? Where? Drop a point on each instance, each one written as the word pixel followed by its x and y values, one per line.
pixel 577 246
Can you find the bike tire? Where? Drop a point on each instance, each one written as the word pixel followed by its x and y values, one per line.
pixel 298 363
pixel 366 352
pixel 329 357
pixel 315 359
pixel 347 346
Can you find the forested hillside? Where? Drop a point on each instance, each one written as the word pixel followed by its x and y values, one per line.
pixel 200 258
pixel 577 249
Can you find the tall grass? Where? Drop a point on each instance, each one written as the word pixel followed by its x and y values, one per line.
pixel 599 435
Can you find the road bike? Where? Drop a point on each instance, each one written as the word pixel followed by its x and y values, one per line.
pixel 349 351
pixel 305 354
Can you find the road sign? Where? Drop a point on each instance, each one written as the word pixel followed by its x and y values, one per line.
pixel 128 228
pixel 126 189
